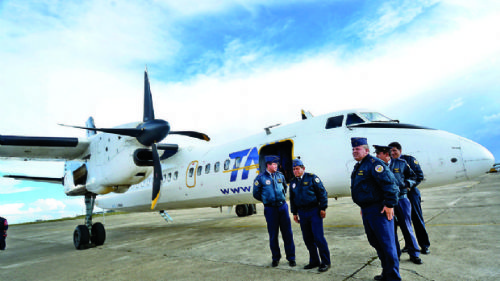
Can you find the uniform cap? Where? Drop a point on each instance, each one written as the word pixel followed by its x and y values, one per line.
pixel 382 148
pixel 358 141
pixel 272 159
pixel 297 162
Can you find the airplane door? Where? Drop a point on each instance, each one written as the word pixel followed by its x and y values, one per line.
pixel 284 150
pixel 191 174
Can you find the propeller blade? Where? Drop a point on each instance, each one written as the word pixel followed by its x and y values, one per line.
pixel 191 134
pixel 149 112
pixel 157 177
pixel 131 132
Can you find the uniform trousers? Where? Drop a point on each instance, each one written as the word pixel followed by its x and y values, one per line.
pixel 380 233
pixel 278 219
pixel 311 225
pixel 418 218
pixel 403 216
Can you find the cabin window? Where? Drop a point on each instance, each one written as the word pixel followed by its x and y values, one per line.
pixel 353 118
pixel 207 168
pixel 198 172
pixel 237 162
pixel 191 172
pixel 176 175
pixel 169 177
pixel 334 122
pixel 216 167
pixel 226 164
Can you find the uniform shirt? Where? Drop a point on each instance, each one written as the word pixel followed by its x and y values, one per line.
pixel 372 182
pixel 405 177
pixel 3 226
pixel 307 192
pixel 415 166
pixel 270 189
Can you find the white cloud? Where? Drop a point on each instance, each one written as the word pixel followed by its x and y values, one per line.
pixel 456 104
pixel 492 118
pixel 42 209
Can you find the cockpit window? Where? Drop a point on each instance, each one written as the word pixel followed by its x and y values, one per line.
pixel 334 122
pixel 353 118
pixel 375 117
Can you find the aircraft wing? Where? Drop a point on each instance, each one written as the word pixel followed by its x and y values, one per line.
pixel 43 148
pixel 38 179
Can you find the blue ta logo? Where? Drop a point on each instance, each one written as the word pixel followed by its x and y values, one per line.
pixel 252 158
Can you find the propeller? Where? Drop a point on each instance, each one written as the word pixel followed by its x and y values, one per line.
pixel 150 132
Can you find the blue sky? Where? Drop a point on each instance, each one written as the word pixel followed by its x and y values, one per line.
pixel 230 68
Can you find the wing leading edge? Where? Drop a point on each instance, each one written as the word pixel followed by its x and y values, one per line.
pixel 43 148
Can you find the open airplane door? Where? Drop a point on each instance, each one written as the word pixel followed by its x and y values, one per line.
pixel 284 150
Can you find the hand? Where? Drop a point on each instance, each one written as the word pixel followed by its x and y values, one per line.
pixel 389 212
pixel 322 214
pixel 296 218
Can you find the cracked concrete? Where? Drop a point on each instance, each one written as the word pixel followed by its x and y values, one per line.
pixel 462 221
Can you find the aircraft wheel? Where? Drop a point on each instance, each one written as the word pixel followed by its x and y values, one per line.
pixel 98 234
pixel 241 210
pixel 81 237
pixel 251 209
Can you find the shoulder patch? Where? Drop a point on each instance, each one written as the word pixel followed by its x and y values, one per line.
pixel 415 161
pixel 317 180
pixel 256 183
pixel 379 168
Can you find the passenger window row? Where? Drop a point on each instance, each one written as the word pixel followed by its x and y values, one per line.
pixel 199 171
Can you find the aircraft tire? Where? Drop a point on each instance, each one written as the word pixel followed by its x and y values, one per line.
pixel 81 237
pixel 98 234
pixel 251 209
pixel 241 210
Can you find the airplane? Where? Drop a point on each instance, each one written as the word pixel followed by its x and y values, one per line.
pixel 125 162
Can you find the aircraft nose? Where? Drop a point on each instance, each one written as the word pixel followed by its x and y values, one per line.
pixel 477 159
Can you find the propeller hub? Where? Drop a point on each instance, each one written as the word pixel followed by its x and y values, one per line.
pixel 153 131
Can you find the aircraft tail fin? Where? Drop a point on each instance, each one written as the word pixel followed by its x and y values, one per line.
pixel 90 124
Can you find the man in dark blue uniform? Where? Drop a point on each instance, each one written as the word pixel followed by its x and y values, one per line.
pixel 405 179
pixel 415 199
pixel 3 232
pixel 309 199
pixel 373 188
pixel 270 188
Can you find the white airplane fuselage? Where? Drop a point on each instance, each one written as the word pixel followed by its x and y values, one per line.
pixel 191 181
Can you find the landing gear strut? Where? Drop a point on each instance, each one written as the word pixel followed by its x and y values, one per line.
pixel 89 234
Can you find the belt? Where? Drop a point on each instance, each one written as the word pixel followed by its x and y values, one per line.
pixel 308 206
pixel 275 204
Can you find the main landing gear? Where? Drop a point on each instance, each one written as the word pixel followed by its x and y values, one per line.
pixel 89 234
pixel 245 210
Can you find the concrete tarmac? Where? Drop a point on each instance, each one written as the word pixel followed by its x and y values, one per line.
pixel 204 244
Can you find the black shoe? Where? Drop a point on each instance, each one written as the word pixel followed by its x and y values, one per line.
pixel 404 250
pixel 416 260
pixel 425 251
pixel 323 267
pixel 379 277
pixel 292 263
pixel 275 263
pixel 311 266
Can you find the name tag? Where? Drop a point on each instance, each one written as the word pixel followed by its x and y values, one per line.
pixel 396 170
pixel 360 172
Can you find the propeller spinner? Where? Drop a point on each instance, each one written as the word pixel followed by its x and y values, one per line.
pixel 150 132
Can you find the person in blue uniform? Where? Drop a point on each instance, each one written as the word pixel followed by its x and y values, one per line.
pixel 373 188
pixel 405 179
pixel 308 202
pixel 3 232
pixel 415 198
pixel 270 188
